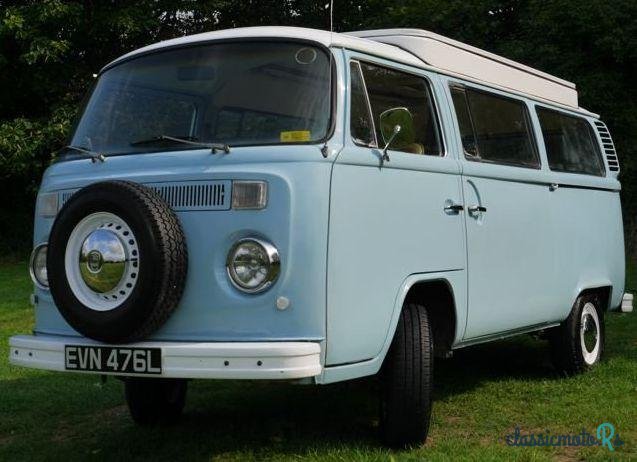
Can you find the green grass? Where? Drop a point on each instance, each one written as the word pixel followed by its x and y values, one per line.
pixel 482 394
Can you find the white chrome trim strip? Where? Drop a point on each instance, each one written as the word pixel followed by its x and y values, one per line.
pixel 188 360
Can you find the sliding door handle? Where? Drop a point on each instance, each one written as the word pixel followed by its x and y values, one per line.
pixel 475 209
pixel 454 208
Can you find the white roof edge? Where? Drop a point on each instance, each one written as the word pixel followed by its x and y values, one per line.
pixel 325 38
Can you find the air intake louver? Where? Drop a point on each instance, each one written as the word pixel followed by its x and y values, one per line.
pixel 213 195
pixel 192 195
pixel 608 145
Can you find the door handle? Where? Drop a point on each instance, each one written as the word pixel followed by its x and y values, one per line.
pixel 475 209
pixel 454 208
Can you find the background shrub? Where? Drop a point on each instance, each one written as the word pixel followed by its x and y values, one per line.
pixel 50 49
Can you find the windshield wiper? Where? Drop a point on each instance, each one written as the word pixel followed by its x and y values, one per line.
pixel 95 156
pixel 214 147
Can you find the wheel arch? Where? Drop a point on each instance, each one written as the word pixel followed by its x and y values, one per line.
pixel 603 289
pixel 447 287
pixel 437 296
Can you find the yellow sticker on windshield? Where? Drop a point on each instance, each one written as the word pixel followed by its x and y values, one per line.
pixel 296 136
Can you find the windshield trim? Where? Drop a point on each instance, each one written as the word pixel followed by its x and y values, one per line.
pixel 205 43
pixel 333 96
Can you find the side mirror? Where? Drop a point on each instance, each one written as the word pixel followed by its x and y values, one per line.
pixel 397 129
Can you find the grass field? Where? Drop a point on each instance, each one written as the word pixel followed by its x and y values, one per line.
pixel 482 394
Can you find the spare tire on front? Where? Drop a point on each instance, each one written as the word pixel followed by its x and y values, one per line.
pixel 117 261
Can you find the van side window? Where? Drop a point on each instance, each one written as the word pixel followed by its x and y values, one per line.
pixel 570 143
pixel 389 88
pixel 361 123
pixel 494 128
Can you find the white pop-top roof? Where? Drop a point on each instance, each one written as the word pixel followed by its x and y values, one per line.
pixel 476 64
pixel 409 46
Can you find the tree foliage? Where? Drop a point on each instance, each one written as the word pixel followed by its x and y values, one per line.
pixel 49 50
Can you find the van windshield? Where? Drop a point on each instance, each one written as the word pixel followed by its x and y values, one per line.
pixel 241 93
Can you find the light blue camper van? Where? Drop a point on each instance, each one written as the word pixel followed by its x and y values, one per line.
pixel 292 204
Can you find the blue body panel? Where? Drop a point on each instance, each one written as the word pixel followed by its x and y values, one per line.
pixel 385 225
pixel 536 248
pixel 295 221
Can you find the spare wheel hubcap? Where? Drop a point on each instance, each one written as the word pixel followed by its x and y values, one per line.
pixel 102 261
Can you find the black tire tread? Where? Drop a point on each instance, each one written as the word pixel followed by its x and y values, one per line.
pixel 408 380
pixel 564 340
pixel 155 401
pixel 172 249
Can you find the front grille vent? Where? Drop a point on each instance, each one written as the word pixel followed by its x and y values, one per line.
pixel 208 195
pixel 192 195
pixel 608 145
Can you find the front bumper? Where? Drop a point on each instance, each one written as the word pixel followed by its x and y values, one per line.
pixel 188 360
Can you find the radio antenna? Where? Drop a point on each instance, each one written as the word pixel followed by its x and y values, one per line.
pixel 331 18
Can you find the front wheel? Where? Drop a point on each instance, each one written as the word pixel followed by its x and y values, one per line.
pixel 152 401
pixel 407 378
pixel 578 343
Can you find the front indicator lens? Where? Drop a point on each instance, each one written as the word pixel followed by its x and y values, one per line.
pixel 37 267
pixel 47 205
pixel 249 195
pixel 253 265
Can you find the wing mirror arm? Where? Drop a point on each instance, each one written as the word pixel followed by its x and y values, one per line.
pixel 395 132
pixel 396 129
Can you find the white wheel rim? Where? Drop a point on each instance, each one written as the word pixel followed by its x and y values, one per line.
pixel 590 334
pixel 120 234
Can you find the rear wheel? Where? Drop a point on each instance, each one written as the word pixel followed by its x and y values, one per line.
pixel 578 343
pixel 407 378
pixel 152 401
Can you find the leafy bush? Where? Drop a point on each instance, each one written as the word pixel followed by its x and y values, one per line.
pixel 49 50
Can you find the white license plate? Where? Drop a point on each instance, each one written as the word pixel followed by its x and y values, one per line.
pixel 112 359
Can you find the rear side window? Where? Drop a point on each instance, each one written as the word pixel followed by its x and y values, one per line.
pixel 570 143
pixel 494 128
pixel 389 88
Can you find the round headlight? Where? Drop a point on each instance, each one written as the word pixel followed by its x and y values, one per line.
pixel 253 265
pixel 37 267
